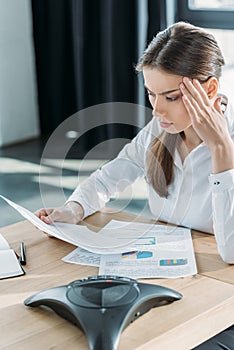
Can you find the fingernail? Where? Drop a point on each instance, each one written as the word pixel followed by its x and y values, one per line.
pixel 182 86
pixel 45 219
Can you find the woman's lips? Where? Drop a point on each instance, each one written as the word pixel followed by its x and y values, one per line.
pixel 165 125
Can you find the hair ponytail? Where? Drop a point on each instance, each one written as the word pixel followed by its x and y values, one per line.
pixel 160 161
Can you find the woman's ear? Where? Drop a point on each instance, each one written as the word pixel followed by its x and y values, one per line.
pixel 211 87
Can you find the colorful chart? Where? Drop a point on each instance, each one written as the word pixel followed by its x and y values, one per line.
pixel 173 262
pixel 140 254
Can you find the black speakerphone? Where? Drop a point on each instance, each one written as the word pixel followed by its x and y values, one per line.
pixel 102 306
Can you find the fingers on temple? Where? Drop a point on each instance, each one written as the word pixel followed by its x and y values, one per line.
pixel 195 92
pixel 202 92
pixel 190 107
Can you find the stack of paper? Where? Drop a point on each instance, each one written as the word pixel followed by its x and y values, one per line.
pixel 150 251
pixel 132 249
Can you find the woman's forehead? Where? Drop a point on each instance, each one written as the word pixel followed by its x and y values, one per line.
pixel 159 80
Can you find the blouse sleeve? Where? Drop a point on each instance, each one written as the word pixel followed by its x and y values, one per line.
pixel 114 176
pixel 222 186
pixel 223 213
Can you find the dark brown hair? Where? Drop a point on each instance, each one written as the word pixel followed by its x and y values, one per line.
pixel 185 50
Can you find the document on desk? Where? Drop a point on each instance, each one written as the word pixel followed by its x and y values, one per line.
pixel 130 249
pixel 83 257
pixel 159 252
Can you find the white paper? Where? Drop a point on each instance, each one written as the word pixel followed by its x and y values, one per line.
pixel 83 257
pixel 153 250
pixel 146 267
pixel 3 243
pixel 75 234
pixel 9 265
pixel 162 252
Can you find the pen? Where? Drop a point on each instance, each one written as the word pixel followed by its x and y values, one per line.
pixel 22 254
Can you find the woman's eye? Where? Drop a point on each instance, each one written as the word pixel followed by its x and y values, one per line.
pixel 171 99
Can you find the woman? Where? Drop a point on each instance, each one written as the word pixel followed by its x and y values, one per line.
pixel 186 152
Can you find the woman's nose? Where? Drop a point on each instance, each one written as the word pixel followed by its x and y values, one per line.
pixel 157 107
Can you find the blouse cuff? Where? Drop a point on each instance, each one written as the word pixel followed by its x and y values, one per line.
pixel 87 209
pixel 222 181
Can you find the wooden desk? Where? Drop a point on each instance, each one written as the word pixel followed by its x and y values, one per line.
pixel 205 309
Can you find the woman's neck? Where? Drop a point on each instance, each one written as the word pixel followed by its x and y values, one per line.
pixel 191 140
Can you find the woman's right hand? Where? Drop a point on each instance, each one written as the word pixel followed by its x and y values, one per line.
pixel 70 212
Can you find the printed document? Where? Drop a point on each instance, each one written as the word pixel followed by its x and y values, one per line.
pixel 160 251
pixel 131 249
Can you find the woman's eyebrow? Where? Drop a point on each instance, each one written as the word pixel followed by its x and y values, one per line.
pixel 164 92
pixel 168 92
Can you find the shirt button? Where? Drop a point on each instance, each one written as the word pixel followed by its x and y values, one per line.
pixel 216 183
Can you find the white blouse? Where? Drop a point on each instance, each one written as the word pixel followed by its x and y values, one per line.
pixel 197 199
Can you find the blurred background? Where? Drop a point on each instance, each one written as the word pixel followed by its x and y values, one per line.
pixel 61 57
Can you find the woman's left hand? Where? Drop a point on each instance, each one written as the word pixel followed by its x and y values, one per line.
pixel 206 115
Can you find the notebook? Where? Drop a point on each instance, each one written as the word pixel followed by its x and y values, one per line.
pixel 9 263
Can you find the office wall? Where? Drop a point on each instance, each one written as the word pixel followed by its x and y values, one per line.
pixel 18 98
